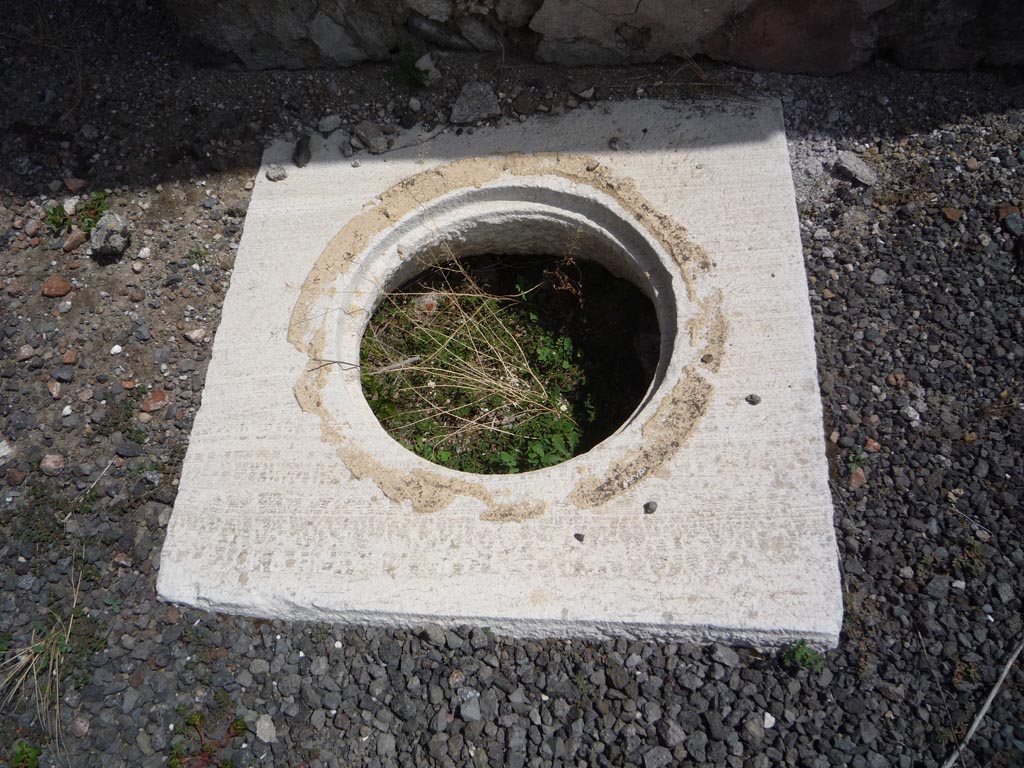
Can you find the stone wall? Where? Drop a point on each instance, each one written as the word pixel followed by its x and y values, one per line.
pixel 814 36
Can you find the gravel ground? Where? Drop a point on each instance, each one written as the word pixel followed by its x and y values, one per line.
pixel 909 185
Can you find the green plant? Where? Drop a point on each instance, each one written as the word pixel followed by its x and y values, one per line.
pixel 800 655
pixel 970 559
pixel 201 750
pixel 114 604
pixel 197 255
pixel 467 378
pixel 43 661
pixel 858 460
pixel 497 364
pixel 407 71
pixel 25 754
pixel 87 214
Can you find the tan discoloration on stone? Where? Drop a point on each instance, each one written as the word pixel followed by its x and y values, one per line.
pixel 506 513
pixel 664 432
pixel 429 491
pixel 710 327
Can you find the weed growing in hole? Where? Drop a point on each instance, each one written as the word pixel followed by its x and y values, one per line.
pixel 87 214
pixel 498 364
pixel 25 754
pixel 800 655
pixel 449 373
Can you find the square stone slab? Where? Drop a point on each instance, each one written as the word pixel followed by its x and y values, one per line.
pixel 294 503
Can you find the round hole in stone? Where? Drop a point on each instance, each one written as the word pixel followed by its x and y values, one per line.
pixel 495 360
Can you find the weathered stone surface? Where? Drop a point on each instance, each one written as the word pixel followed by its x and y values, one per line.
pixel 516 13
pixel 822 37
pixel 265 34
pixel 731 553
pixel 793 36
pixel 55 286
pixel 479 34
pixel 437 10
pixel 622 30
pixel 953 34
pixel 111 236
pixel 476 102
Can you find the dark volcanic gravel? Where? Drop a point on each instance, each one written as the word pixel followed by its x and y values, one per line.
pixel 915 254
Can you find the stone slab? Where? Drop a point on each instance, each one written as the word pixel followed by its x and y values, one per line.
pixel 276 517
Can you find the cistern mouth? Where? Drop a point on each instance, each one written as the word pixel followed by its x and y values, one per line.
pixel 511 329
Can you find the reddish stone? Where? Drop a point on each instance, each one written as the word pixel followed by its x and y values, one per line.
pixel 792 36
pixel 857 478
pixel 1005 210
pixel 15 477
pixel 70 357
pixel 75 239
pixel 953 214
pixel 75 185
pixel 54 287
pixel 157 399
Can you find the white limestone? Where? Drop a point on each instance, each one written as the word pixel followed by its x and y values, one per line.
pixel 294 503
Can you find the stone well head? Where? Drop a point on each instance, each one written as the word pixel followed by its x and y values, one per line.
pixel 702 517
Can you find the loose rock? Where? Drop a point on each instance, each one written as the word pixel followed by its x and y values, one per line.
pixel 851 166
pixel 111 236
pixel 54 287
pixel 476 102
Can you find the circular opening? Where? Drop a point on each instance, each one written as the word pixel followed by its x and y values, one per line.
pixel 501 360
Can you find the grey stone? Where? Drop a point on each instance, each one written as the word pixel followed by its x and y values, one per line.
pixel 433 634
pixel 329 123
pixel 880 277
pixel 266 730
pixel 697 745
pixel 516 13
pixel 372 137
pixel 1014 224
pixel 476 102
pixel 302 153
pixel 725 655
pixel 276 173
pixel 64 373
pixel 851 166
pixel 670 732
pixel 939 586
pixel 657 757
pixel 437 10
pixel 431 75
pixel 128 450
pixel 470 709
pixel 111 236
pixel 437 33
pixel 479 34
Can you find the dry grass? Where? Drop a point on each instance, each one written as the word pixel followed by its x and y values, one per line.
pixel 39 666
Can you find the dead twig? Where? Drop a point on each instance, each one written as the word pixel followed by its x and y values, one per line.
pixel 938 685
pixel 955 756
